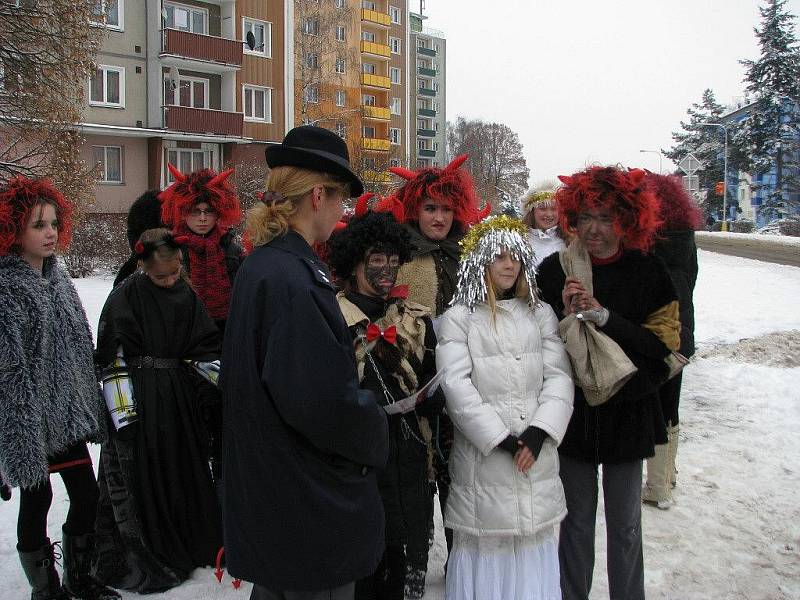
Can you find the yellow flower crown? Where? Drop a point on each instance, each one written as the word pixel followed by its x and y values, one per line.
pixel 543 196
pixel 477 231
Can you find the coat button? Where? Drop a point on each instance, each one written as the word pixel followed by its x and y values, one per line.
pixel 364 471
pixel 523 416
pixel 518 357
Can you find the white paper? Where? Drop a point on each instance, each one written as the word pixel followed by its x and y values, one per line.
pixel 408 403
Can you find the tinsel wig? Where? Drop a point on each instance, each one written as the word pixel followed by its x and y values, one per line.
pixel 450 186
pixel 204 185
pixel 625 193
pixel 18 199
pixel 365 230
pixel 483 243
pixel 678 210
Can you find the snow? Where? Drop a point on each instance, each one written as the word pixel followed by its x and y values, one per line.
pixel 735 529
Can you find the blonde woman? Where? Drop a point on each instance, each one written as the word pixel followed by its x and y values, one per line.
pixel 303 516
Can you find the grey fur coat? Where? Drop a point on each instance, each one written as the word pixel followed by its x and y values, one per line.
pixel 49 397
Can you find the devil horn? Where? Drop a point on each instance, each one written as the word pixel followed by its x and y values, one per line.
pixel 565 179
pixel 637 175
pixel 362 204
pixel 485 212
pixel 456 162
pixel 175 172
pixel 406 174
pixel 218 179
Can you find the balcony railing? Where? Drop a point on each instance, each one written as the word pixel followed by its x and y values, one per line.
pixel 425 72
pixel 376 81
pixel 376 48
pixel 373 16
pixel 426 51
pixel 376 177
pixel 427 133
pixel 377 112
pixel 375 144
pixel 202 120
pixel 427 92
pixel 426 112
pixel 422 153
pixel 207 48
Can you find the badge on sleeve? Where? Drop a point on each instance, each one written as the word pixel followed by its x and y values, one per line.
pixel 320 273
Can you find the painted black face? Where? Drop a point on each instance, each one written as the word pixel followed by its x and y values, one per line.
pixel 380 271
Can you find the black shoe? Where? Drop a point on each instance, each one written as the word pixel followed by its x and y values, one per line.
pixel 40 569
pixel 78 581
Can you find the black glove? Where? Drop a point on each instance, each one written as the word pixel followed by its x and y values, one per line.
pixel 5 491
pixel 510 444
pixel 533 438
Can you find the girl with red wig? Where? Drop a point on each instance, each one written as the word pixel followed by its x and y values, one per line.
pixel 50 404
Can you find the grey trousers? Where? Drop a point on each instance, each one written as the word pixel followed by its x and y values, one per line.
pixel 345 592
pixel 622 494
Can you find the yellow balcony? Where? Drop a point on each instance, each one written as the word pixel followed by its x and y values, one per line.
pixel 378 81
pixel 375 144
pixel 376 177
pixel 375 48
pixel 377 112
pixel 373 16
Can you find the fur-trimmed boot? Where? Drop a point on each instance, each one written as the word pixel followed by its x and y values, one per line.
pixel 672 451
pixel 657 491
pixel 40 569
pixel 78 581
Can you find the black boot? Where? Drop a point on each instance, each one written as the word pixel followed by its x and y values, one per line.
pixel 40 569
pixel 78 581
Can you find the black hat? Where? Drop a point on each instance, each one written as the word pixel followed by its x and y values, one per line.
pixel 144 214
pixel 316 149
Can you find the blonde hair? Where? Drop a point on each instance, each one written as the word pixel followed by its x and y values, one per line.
pixel 521 290
pixel 268 220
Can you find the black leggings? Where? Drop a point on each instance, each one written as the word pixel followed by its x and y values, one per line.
pixel 35 503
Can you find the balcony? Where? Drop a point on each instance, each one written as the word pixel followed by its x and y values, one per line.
pixel 376 177
pixel 425 72
pixel 422 153
pixel 378 81
pixel 183 48
pixel 427 92
pixel 377 112
pixel 426 133
pixel 373 16
pixel 374 48
pixel 423 51
pixel 426 112
pixel 203 121
pixel 376 144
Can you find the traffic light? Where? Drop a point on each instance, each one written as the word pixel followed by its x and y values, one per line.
pixel 719 188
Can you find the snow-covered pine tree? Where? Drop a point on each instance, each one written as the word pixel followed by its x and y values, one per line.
pixel 770 133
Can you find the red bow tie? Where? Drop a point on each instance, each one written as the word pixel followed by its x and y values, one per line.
pixel 374 332
pixel 399 291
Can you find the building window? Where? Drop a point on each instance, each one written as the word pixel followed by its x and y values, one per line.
pixel 191 92
pixel 394 44
pixel 186 160
pixel 369 164
pixel 368 68
pixel 396 106
pixel 435 146
pixel 312 60
pixel 257 102
pixel 311 26
pixel 311 94
pixel 422 84
pixel 341 130
pixel 435 105
pixel 394 136
pixel 341 96
pixel 340 65
pixel 339 3
pixel 435 86
pixel 340 33
pixel 108 160
pixel 107 87
pixel 422 124
pixel 185 18
pixel 367 36
pixel 262 32
pixel 394 13
pixel 106 13
pixel 394 162
pixel 422 144
pixel 394 75
pixel 368 5
pixel 367 99
pixel 368 132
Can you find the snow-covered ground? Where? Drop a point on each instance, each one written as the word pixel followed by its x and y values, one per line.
pixel 735 530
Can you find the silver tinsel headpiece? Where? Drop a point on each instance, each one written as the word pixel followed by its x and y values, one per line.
pixel 482 244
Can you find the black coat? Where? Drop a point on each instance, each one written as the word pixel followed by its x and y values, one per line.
pixel 301 440
pixel 629 425
pixel 679 252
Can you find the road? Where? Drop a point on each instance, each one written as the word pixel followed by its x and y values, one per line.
pixel 763 248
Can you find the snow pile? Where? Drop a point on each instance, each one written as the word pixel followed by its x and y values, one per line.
pixel 774 349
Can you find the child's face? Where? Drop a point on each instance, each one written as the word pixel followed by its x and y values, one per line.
pixel 40 237
pixel 545 217
pixel 504 271
pixel 164 273
pixel 201 218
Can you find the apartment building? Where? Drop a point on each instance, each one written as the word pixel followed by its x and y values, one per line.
pixel 427 96
pixel 178 82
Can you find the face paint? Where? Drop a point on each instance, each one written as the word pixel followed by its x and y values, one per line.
pixel 380 272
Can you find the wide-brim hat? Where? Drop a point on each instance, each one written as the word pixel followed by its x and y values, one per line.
pixel 316 149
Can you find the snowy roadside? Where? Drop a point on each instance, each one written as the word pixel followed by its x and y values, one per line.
pixel 735 531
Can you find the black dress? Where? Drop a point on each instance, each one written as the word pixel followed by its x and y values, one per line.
pixel 159 515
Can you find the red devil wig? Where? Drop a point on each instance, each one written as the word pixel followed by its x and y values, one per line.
pixel 18 200
pixel 450 186
pixel 625 193
pixel 204 185
pixel 679 212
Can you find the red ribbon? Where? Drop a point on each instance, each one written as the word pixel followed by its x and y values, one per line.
pixel 389 334
pixel 138 247
pixel 399 291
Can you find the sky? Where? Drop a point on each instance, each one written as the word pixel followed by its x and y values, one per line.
pixel 585 82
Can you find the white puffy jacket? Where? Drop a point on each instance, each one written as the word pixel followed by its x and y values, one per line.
pixel 499 380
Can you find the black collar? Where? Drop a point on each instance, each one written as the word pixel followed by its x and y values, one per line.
pixel 294 243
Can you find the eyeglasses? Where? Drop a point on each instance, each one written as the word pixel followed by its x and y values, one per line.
pixel 198 212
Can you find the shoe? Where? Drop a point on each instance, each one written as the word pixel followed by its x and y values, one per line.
pixel 415 584
pixel 657 491
pixel 648 498
pixel 40 570
pixel 78 581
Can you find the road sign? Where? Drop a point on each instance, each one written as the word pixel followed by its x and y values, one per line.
pixel 689 164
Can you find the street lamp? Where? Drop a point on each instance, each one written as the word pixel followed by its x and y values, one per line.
pixel 660 157
pixel 724 176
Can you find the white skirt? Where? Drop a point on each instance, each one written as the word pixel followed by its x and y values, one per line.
pixel 504 567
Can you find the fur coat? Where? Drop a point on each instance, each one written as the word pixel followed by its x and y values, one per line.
pixel 49 396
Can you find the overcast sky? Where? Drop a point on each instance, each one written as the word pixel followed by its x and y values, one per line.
pixel 588 81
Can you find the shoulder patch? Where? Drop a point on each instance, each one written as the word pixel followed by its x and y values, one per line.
pixel 320 273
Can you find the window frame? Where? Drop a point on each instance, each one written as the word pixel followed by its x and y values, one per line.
pixel 266 52
pixel 189 8
pixel 267 103
pixel 392 131
pixel 307 94
pixel 105 180
pixel 399 72
pixel 192 80
pixel 105 103
pixel 340 94
pixel 120 26
pixel 343 30
pixel 395 10
pixel 399 102
pixel 340 66
pixel 392 41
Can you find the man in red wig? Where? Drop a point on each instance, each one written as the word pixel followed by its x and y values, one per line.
pixel 629 296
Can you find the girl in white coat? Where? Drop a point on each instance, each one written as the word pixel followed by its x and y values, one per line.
pixel 545 235
pixel 509 393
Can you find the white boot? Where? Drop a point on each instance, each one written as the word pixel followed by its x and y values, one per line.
pixel 657 491
pixel 672 452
